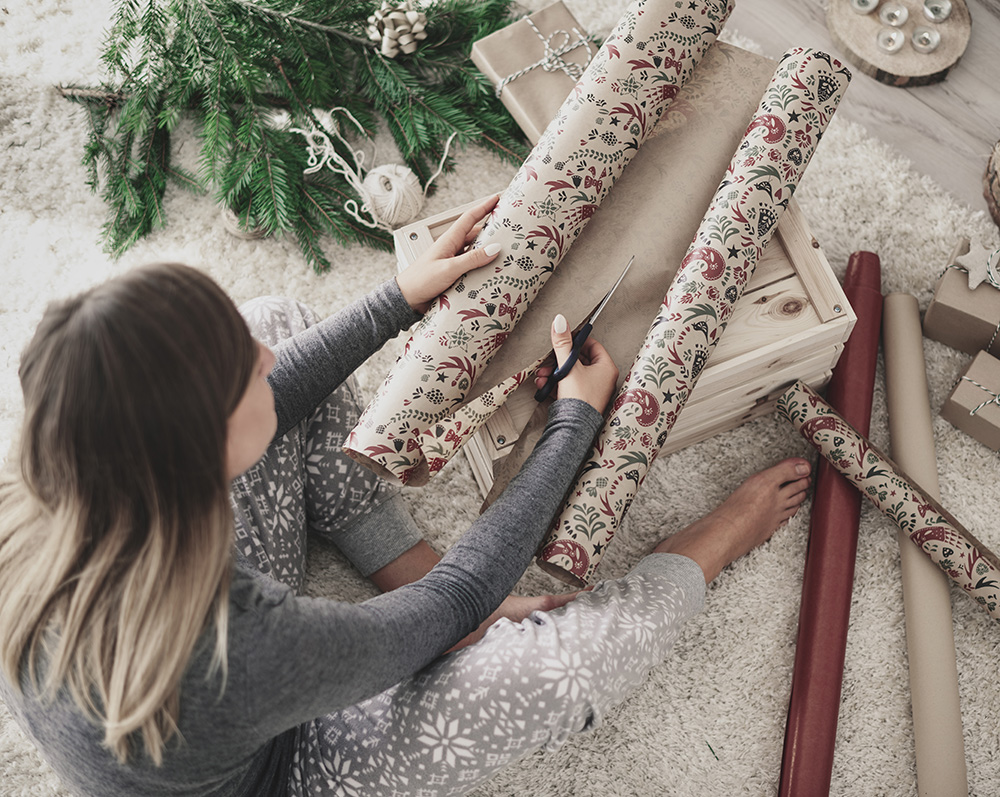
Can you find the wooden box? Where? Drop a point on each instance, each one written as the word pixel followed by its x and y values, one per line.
pixel 791 323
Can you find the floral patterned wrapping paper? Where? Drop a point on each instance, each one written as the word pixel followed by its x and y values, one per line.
pixel 797 105
pixel 951 547
pixel 419 418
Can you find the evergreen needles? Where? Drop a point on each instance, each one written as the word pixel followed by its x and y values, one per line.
pixel 228 64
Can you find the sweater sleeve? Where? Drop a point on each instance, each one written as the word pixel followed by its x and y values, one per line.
pixel 307 657
pixel 309 366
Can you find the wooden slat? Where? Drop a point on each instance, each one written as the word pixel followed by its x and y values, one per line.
pixel 825 292
pixel 726 403
pixel 480 462
pixel 763 407
pixel 775 312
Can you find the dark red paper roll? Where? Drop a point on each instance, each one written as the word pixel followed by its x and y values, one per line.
pixel 811 730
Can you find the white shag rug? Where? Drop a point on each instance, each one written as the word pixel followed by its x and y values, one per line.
pixel 710 720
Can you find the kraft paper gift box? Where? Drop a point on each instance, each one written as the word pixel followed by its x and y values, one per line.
pixel 974 404
pixel 964 319
pixel 534 96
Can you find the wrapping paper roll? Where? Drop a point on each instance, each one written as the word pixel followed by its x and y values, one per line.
pixel 925 523
pixel 828 578
pixel 419 419
pixel 930 640
pixel 796 107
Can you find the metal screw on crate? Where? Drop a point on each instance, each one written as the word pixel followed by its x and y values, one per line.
pixel 890 40
pixel 925 40
pixel 937 10
pixel 863 6
pixel 894 14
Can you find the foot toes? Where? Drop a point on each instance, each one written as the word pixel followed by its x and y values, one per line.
pixel 788 471
pixel 791 490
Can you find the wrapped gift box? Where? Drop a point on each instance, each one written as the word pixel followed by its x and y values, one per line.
pixel 534 96
pixel 974 404
pixel 964 319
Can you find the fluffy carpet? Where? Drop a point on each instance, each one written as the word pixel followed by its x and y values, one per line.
pixel 710 720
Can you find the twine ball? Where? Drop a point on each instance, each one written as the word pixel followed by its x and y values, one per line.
pixel 394 193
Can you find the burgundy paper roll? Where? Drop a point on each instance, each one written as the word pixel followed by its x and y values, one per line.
pixel 811 729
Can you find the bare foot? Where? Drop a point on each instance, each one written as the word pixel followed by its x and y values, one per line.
pixel 748 517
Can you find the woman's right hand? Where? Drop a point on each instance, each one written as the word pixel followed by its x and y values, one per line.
pixel 591 379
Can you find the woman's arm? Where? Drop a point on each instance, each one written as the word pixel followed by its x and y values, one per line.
pixel 308 657
pixel 310 365
pixel 344 653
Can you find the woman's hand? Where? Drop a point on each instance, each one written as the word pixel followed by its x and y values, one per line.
pixel 448 259
pixel 591 379
pixel 517 609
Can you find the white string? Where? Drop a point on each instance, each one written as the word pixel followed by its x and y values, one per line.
pixel 553 60
pixel 390 194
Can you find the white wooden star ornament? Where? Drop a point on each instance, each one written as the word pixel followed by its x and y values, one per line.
pixel 981 264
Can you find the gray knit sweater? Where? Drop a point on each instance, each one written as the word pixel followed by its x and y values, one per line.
pixel 293 658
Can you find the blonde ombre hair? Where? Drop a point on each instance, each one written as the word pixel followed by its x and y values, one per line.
pixel 116 528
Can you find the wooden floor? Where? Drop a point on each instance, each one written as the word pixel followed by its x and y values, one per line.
pixel 947 130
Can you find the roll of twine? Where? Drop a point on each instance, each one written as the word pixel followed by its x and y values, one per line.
pixel 390 194
pixel 393 193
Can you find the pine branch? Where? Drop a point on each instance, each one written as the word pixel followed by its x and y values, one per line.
pixel 227 64
pixel 293 21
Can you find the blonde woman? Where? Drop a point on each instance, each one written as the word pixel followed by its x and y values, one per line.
pixel 145 653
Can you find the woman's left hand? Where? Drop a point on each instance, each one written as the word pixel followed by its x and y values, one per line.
pixel 448 259
pixel 517 608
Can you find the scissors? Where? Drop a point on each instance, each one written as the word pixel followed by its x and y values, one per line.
pixel 578 340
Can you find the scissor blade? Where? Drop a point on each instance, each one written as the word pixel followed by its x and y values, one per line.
pixel 614 287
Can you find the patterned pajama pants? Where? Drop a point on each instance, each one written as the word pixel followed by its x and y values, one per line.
pixel 522 688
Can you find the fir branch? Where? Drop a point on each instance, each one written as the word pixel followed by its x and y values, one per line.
pixel 107 97
pixel 228 63
pixel 304 23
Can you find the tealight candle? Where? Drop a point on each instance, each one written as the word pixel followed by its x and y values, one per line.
pixel 863 6
pixel 894 14
pixel 925 40
pixel 937 10
pixel 890 40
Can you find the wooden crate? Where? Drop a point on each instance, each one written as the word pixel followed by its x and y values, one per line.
pixel 791 323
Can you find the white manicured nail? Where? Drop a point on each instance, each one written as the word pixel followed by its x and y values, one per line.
pixel 559 324
pixel 491 249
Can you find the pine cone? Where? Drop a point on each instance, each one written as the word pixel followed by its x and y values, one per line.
pixel 397 27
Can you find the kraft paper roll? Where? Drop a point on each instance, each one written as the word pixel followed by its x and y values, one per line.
pixel 930 641
pixel 966 561
pixel 418 418
pixel 828 579
pixel 797 105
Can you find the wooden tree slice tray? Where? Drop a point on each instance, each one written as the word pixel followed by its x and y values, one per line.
pixel 856 34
